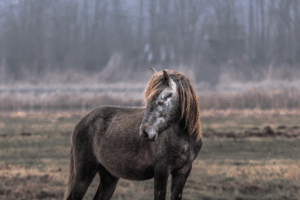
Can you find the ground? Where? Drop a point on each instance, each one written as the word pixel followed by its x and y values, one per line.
pixel 232 164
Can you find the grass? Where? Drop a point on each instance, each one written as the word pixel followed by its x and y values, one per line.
pixel 35 166
pixel 88 98
pixel 240 121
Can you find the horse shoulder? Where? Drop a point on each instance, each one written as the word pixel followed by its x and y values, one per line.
pixel 112 122
pixel 127 119
pixel 183 149
pixel 96 120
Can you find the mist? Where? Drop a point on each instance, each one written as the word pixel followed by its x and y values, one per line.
pixel 80 47
pixel 80 64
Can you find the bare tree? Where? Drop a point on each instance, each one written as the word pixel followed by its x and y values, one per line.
pixel 85 34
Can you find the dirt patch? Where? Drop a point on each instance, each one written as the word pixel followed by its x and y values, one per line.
pixel 24 134
pixel 266 132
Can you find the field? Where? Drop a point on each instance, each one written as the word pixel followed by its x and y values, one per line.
pixel 245 155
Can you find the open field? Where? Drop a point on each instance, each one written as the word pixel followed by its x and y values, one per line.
pixel 84 98
pixel 34 158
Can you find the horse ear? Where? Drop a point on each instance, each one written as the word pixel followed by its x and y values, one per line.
pixel 167 78
pixel 153 70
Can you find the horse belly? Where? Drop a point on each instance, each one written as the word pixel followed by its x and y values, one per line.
pixel 129 161
pixel 122 151
pixel 128 168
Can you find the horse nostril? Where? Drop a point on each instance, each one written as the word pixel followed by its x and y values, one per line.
pixel 145 134
pixel 143 131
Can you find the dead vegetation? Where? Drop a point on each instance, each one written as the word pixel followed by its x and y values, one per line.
pixel 211 179
pixel 222 103
pixel 61 102
pixel 30 187
pixel 261 99
pixel 266 132
pixel 246 154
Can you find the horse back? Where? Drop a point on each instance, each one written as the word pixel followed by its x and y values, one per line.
pixel 98 121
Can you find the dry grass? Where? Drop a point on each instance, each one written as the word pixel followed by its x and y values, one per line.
pixel 287 98
pixel 69 102
pixel 245 113
pixel 36 166
pixel 254 101
pixel 251 170
pixel 231 179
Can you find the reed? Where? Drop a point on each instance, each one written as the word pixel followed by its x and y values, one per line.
pixel 251 99
pixel 288 98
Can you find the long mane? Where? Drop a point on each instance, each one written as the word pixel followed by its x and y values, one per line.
pixel 190 110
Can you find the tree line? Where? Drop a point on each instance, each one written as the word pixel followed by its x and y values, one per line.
pixel 41 35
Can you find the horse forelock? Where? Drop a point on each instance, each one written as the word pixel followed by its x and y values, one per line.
pixel 187 95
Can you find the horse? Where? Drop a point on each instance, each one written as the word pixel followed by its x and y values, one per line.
pixel 138 143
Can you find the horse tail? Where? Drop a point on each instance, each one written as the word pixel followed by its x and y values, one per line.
pixel 72 173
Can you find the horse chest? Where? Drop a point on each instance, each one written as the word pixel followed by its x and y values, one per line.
pixel 181 152
pixel 187 154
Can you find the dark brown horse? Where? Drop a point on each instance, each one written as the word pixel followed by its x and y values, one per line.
pixel 139 143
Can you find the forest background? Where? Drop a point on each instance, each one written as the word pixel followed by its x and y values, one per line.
pixel 58 48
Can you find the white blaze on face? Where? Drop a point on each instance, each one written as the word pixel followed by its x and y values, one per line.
pixel 165 112
pixel 159 122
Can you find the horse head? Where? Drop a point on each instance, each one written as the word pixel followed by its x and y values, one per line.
pixel 162 108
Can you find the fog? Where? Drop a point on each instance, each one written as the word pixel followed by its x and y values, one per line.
pixel 74 46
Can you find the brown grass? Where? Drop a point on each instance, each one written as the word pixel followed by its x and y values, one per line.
pixel 252 100
pixel 244 113
pixel 58 102
pixel 252 170
pixel 271 179
pixel 287 98
pixel 36 166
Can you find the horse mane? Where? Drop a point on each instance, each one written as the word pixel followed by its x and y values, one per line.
pixel 190 110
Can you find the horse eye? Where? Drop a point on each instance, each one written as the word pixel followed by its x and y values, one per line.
pixel 168 96
pixel 160 102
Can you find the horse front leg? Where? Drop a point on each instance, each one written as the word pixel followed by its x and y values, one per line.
pixel 178 182
pixel 160 182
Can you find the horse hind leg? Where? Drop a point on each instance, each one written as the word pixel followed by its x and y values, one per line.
pixel 107 186
pixel 82 172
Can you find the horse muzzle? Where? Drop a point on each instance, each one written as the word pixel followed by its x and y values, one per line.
pixel 148 133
